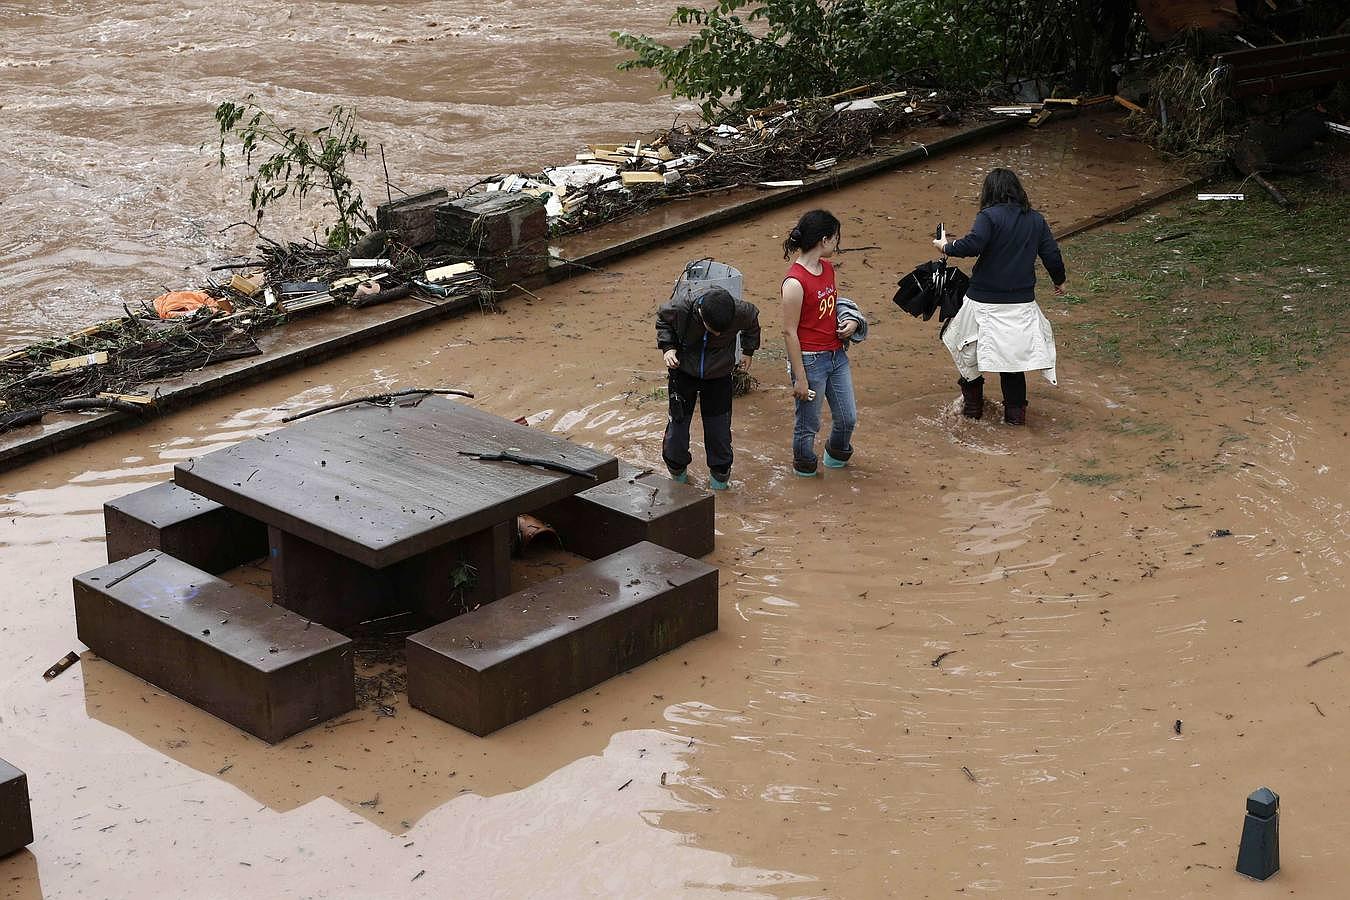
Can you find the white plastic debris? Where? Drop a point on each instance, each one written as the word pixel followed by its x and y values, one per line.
pixel 1221 196
pixel 579 176
pixel 855 105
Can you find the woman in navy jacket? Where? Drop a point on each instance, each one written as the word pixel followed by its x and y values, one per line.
pixel 999 327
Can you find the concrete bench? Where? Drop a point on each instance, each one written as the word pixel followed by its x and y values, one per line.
pixel 634 507
pixel 502 662
pixel 198 531
pixel 255 665
pixel 16 819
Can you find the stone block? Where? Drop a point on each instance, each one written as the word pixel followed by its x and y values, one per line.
pixel 634 507
pixel 505 234
pixel 502 662
pixel 342 593
pixel 198 531
pixel 412 220
pixel 16 817
pixel 219 647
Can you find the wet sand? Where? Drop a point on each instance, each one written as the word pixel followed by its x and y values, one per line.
pixel 953 667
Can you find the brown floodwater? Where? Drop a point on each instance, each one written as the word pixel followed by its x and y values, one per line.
pixel 954 667
pixel 109 195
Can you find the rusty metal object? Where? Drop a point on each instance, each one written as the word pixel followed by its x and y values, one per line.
pixel 1165 19
pixel 258 667
pixel 341 593
pixel 528 528
pixel 185 525
pixel 635 507
pixel 16 817
pixel 505 661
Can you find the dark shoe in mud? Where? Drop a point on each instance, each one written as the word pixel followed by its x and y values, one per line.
pixel 1015 415
pixel 972 397
pixel 804 469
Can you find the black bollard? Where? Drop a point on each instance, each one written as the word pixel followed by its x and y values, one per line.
pixel 1259 852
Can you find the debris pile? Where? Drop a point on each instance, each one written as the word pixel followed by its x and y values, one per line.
pixel 776 147
pixel 102 367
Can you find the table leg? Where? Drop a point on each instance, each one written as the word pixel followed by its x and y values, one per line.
pixel 342 594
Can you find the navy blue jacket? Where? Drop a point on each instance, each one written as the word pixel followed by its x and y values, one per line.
pixel 1007 239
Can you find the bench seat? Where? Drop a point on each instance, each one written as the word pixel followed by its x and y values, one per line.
pixel 636 506
pixel 219 647
pixel 504 661
pixel 16 818
pixel 198 531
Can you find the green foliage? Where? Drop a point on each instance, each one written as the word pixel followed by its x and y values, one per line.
pixel 298 162
pixel 748 54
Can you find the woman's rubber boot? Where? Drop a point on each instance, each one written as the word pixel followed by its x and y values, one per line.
pixel 803 470
pixel 719 482
pixel 680 477
pixel 836 462
pixel 972 397
pixel 1015 415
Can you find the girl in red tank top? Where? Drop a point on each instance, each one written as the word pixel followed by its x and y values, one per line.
pixel 817 359
pixel 816 329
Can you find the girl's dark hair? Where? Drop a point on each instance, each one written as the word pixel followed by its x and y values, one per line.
pixel 1002 186
pixel 811 229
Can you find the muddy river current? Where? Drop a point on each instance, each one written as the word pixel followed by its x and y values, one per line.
pixel 968 664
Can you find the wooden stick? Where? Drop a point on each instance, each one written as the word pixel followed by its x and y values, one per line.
pixel 375 398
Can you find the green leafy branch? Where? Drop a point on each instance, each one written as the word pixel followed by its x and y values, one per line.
pixel 295 162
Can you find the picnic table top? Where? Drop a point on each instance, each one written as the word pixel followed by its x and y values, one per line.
pixel 380 484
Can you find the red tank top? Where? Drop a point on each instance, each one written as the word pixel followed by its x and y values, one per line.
pixel 816 329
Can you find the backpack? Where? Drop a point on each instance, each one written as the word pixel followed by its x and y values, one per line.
pixel 702 274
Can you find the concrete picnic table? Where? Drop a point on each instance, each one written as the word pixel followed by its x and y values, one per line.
pixel 372 511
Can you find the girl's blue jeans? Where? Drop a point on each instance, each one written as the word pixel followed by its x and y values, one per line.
pixel 828 374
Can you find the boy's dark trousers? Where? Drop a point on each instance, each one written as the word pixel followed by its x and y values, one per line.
pixel 714 401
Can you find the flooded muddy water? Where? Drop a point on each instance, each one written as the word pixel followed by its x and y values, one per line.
pixel 104 107
pixel 954 667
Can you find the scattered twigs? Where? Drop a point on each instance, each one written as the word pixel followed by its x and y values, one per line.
pixel 1275 194
pixel 1325 657
pixel 382 399
pixel 127 574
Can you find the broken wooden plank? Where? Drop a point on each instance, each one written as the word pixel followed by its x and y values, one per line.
pixel 138 399
pixel 79 362
pixel 641 178
pixel 1130 105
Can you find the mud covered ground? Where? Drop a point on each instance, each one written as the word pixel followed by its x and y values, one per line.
pixel 956 667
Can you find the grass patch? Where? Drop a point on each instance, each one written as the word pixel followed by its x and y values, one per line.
pixel 1238 289
pixel 1094 479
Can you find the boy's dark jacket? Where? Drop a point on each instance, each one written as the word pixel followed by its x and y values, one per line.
pixel 701 354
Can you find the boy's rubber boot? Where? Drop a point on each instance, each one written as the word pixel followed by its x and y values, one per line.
pixel 972 397
pixel 832 462
pixel 680 477
pixel 719 484
pixel 1015 415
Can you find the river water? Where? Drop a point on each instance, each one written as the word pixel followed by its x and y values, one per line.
pixel 109 196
